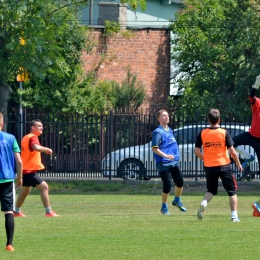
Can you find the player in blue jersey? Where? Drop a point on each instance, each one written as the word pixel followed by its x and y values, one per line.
pixel 10 159
pixel 167 158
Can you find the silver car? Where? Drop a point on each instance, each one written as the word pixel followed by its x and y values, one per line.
pixel 138 161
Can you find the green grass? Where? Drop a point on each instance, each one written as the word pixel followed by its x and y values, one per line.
pixel 118 225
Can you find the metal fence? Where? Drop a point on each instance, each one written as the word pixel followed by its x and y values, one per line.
pixel 116 144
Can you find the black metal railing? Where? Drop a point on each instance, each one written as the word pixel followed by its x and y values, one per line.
pixel 115 144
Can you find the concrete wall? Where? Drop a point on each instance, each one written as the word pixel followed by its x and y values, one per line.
pixel 157 13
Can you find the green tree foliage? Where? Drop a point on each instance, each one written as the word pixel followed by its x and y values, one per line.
pixel 131 94
pixel 91 95
pixel 216 50
pixel 94 95
pixel 45 40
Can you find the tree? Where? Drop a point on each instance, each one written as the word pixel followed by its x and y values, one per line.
pixel 95 95
pixel 216 51
pixel 45 40
pixel 91 95
pixel 131 94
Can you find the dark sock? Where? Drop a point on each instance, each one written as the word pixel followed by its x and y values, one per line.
pixel 9 227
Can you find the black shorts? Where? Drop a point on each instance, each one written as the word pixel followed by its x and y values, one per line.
pixel 228 181
pixel 31 179
pixel 7 196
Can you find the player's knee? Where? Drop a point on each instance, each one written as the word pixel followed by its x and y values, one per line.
pixel 167 188
pixel 214 192
pixel 179 183
pixel 43 186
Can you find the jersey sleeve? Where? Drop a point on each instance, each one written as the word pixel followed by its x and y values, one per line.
pixel 156 139
pixel 229 140
pixel 33 140
pixel 16 148
pixel 198 142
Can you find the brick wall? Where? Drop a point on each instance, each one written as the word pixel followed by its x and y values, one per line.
pixel 147 52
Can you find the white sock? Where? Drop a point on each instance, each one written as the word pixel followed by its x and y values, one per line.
pixel 234 214
pixel 48 210
pixel 204 203
pixel 243 152
pixel 17 210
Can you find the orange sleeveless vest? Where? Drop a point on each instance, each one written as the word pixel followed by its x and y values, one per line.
pixel 214 147
pixel 31 160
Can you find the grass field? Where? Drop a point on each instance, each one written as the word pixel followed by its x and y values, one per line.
pixel 123 224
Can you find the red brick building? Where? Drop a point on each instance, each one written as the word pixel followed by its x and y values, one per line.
pixel 147 52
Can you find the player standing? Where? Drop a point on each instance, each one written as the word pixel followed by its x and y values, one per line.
pixel 167 158
pixel 10 158
pixel 31 157
pixel 216 143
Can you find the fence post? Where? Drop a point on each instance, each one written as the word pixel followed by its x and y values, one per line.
pixel 110 141
pixel 196 160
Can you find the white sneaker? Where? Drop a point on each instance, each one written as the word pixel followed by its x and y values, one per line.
pixel 235 220
pixel 200 211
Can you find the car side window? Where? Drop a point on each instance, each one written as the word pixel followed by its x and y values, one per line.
pixel 187 136
pixel 195 133
pixel 190 136
pixel 234 132
pixel 178 136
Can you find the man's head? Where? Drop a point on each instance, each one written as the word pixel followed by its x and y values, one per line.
pixel 163 117
pixel 36 127
pixel 214 116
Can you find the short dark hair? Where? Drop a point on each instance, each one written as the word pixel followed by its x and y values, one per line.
pixel 33 122
pixel 213 116
pixel 159 112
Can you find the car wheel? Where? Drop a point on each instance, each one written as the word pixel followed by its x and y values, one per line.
pixel 131 169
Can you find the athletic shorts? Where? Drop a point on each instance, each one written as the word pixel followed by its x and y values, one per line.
pixel 228 181
pixel 7 196
pixel 31 179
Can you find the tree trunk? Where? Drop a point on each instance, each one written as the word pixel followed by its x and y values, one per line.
pixel 5 91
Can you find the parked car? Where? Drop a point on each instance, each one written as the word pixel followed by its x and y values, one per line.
pixel 138 161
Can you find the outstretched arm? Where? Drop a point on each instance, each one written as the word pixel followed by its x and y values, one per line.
pixel 41 149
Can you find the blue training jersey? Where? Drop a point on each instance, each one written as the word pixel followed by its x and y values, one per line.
pixel 167 144
pixel 7 160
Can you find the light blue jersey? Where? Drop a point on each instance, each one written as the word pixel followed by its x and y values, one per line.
pixel 8 146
